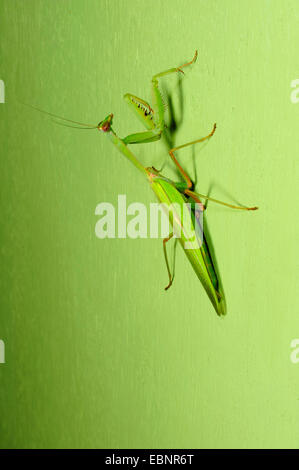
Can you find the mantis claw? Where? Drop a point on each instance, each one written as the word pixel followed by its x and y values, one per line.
pixel 167 287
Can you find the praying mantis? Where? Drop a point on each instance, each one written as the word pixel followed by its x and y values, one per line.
pixel 169 192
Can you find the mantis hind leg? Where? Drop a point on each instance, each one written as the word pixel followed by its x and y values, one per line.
pixel 166 261
pixel 181 170
pixel 196 197
pixel 187 190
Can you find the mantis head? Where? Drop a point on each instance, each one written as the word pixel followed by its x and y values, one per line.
pixel 105 125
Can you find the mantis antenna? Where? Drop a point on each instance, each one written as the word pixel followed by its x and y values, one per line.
pixel 86 126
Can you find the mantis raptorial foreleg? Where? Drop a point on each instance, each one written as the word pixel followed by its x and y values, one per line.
pixel 151 117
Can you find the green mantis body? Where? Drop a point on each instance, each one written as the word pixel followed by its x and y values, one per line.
pixel 167 191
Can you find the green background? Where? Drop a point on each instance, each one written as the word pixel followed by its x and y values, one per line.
pixel 97 354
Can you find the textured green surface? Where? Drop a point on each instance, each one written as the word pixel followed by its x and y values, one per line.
pixel 97 354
